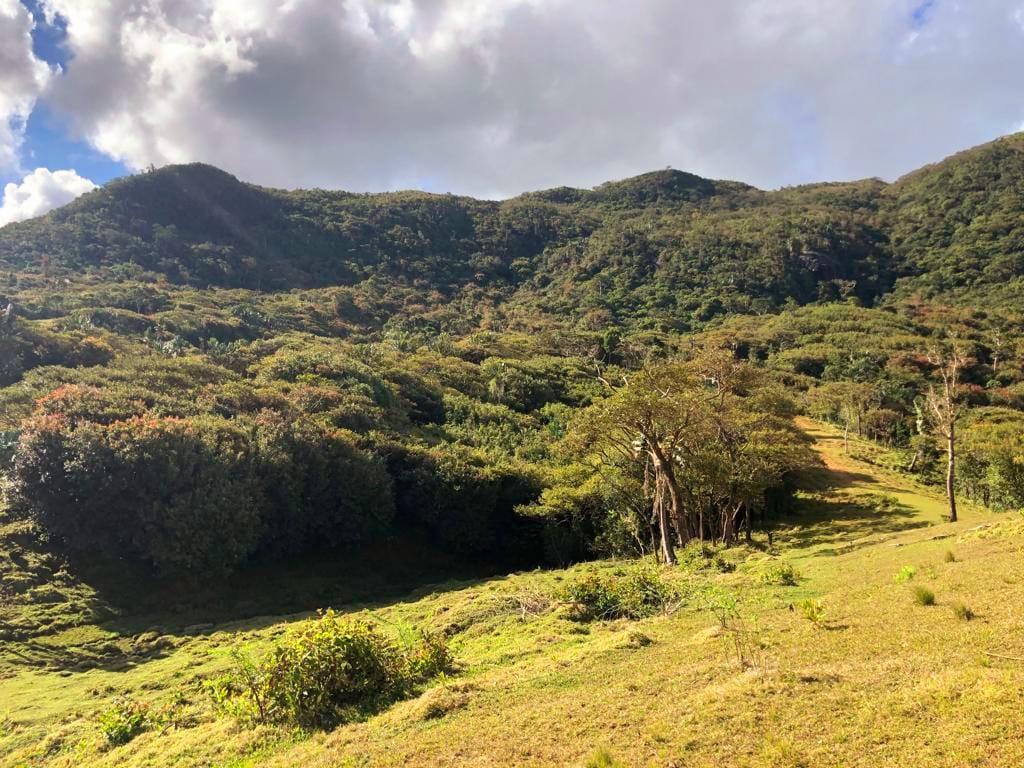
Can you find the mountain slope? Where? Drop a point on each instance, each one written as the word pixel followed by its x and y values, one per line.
pixel 666 247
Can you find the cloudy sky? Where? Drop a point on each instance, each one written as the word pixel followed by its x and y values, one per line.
pixel 495 97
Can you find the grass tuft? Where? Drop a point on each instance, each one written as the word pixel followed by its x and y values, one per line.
pixel 962 612
pixel 924 596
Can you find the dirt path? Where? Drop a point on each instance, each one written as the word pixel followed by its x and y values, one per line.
pixel 857 477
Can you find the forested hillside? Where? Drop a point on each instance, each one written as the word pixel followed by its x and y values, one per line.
pixel 206 381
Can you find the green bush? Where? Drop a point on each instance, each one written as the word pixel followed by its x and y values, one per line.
pixel 318 488
pixel 125 719
pixel 326 672
pixel 177 495
pixel 634 594
pixel 906 573
pixel 781 574
pixel 701 556
pixel 813 610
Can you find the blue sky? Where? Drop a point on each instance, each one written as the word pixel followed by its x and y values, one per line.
pixel 495 97
pixel 48 141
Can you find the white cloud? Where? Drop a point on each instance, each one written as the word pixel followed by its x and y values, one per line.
pixel 499 96
pixel 22 79
pixel 41 191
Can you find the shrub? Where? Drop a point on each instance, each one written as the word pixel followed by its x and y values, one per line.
pixel 949 557
pixel 699 556
pixel 924 596
pixel 906 573
pixel 124 719
pixel 781 574
pixel 326 672
pixel 177 495
pixel 813 610
pixel 635 594
pixel 318 487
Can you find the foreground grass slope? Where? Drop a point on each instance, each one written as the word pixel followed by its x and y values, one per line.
pixel 843 668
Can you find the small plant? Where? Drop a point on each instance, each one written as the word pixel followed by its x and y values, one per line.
pixel 962 612
pixel 781 574
pixel 700 556
pixel 637 639
pixel 326 672
pixel 924 596
pixel 632 594
pixel 906 573
pixel 124 719
pixel 746 642
pixel 949 557
pixel 813 611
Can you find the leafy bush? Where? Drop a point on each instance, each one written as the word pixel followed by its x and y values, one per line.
pixel 634 594
pixel 125 719
pixel 178 495
pixel 318 488
pixel 328 671
pixel 781 574
pixel 700 556
pixel 924 596
pixel 906 573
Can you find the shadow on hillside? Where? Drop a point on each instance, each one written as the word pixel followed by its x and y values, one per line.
pixel 838 523
pixel 825 479
pixel 149 618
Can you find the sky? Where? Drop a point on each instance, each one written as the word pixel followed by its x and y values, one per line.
pixel 496 97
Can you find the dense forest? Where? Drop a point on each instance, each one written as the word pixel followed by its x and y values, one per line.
pixel 198 373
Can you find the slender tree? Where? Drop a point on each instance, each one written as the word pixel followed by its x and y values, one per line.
pixel 945 403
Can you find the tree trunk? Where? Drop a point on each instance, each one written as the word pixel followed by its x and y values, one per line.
pixel 913 461
pixel 846 437
pixel 951 471
pixel 663 467
pixel 668 553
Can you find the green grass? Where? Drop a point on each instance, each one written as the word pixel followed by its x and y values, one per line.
pixel 871 680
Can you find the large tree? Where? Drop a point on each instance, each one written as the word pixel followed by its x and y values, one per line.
pixel 709 438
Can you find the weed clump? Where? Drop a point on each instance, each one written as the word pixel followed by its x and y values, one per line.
pixel 781 574
pixel 962 612
pixel 924 596
pixel 700 556
pixel 635 594
pixel 949 557
pixel 125 719
pixel 602 758
pixel 813 611
pixel 906 573
pixel 329 671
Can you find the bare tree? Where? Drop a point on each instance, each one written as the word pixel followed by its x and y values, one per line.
pixel 945 404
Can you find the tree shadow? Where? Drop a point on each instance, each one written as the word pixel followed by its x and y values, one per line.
pixel 838 522
pixel 148 618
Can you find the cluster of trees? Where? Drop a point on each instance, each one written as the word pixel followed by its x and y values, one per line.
pixel 199 495
pixel 709 442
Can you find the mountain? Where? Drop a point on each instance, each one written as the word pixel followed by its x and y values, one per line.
pixel 667 244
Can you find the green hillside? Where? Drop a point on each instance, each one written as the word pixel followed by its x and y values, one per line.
pixel 652 473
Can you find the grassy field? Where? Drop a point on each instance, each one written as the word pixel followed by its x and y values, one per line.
pixel 843 668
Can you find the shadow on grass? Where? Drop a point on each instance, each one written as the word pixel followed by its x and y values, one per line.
pixel 838 523
pixel 148 617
